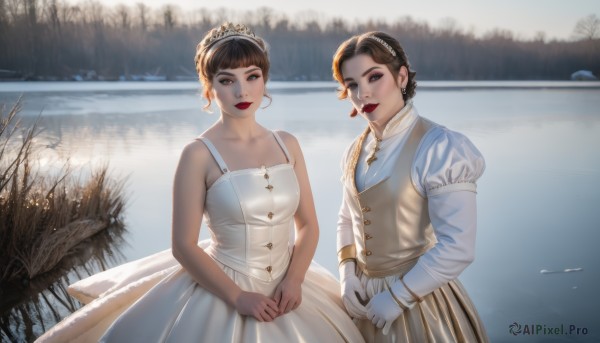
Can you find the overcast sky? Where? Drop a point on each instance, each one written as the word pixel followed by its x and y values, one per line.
pixel 524 18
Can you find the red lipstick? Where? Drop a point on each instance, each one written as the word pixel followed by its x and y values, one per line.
pixel 368 108
pixel 243 105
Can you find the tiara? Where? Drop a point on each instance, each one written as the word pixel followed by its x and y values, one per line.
pixel 229 31
pixel 382 42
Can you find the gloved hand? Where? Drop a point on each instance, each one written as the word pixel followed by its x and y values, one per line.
pixel 352 289
pixel 383 309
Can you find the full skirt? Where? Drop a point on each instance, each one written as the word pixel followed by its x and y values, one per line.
pixel 155 300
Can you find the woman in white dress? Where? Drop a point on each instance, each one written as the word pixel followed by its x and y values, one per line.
pixel 407 223
pixel 250 282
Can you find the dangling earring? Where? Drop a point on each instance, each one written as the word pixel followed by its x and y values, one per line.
pixel 403 90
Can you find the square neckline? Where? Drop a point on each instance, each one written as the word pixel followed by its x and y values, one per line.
pixel 225 169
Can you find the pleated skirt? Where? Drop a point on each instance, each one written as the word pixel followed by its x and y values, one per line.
pixel 446 315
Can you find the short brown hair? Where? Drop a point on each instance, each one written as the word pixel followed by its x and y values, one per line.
pixel 361 44
pixel 236 52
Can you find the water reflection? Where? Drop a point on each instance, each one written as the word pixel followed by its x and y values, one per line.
pixel 536 203
pixel 30 307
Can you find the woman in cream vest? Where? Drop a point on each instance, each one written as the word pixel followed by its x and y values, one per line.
pixel 407 223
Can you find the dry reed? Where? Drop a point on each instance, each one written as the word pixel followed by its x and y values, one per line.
pixel 44 218
pixel 51 226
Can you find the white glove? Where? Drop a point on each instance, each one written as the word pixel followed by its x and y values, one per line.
pixel 351 290
pixel 383 309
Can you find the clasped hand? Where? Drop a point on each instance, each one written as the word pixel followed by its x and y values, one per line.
pixel 288 296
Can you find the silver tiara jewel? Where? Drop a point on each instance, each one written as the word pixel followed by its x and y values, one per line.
pixel 228 31
pixel 383 43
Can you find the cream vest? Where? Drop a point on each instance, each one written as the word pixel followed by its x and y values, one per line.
pixel 390 219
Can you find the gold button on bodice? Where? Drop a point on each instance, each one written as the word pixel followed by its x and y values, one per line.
pixel 367 222
pixel 269 269
pixel 367 236
pixel 266 176
pixel 270 215
pixel 269 187
pixel 367 252
pixel 366 209
pixel 269 245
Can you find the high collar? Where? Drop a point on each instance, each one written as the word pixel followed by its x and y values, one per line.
pixel 399 122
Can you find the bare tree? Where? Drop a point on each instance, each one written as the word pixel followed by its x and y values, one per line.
pixel 449 26
pixel 123 17
pixel 264 17
pixel 3 16
pixel 13 8
pixel 54 38
pixel 588 27
pixel 52 9
pixel 142 10
pixel 168 17
pixel 310 20
pixel 540 36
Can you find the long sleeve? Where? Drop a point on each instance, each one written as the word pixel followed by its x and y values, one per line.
pixel 446 170
pixel 345 235
pixel 454 219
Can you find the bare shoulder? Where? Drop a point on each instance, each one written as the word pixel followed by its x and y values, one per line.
pixel 289 140
pixel 195 153
pixel 292 145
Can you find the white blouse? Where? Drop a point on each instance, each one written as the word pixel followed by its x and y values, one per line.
pixel 445 170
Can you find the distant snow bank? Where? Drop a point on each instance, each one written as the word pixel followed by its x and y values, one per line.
pixel 583 75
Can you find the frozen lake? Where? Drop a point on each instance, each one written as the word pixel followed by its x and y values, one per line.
pixel 537 201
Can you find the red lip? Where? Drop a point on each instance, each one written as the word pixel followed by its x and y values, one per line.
pixel 243 105
pixel 368 108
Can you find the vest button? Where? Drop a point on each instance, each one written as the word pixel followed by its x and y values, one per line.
pixel 366 209
pixel 367 222
pixel 269 269
pixel 367 252
pixel 269 245
pixel 270 215
pixel 367 236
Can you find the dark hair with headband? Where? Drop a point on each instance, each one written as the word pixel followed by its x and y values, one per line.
pixel 229 46
pixel 383 49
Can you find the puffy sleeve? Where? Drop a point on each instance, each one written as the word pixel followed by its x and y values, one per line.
pixel 445 171
pixel 446 161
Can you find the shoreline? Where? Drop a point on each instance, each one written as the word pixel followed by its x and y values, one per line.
pixel 94 86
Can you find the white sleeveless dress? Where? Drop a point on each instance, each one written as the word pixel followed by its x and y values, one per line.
pixel 249 213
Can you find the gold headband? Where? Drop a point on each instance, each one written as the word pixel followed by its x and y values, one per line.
pixel 383 43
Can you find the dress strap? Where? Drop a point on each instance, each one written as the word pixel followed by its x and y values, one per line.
pixel 282 145
pixel 215 153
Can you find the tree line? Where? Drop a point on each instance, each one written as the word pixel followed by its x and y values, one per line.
pixel 52 39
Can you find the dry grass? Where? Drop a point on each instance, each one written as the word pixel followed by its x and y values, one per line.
pixel 52 227
pixel 43 218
